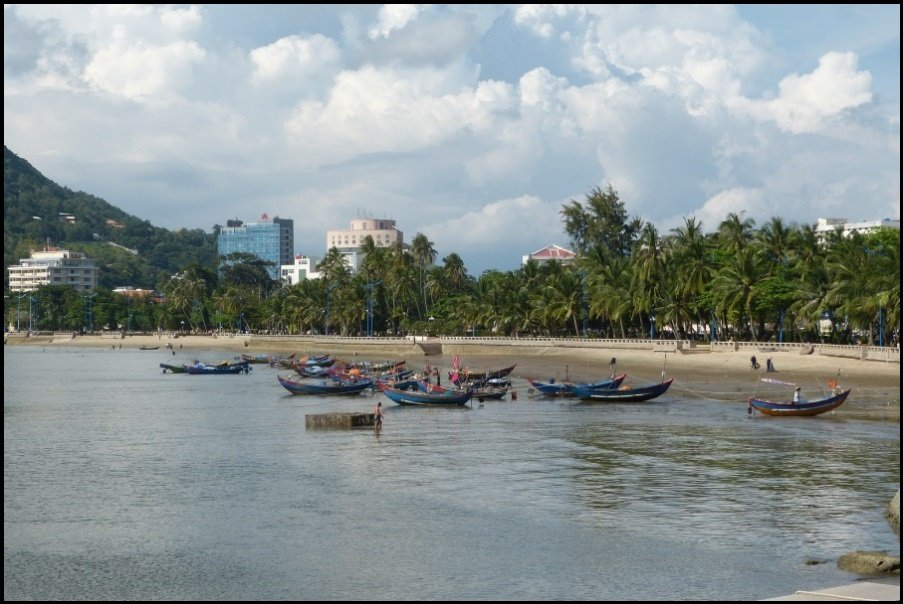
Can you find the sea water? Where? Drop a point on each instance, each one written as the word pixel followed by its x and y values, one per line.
pixel 125 483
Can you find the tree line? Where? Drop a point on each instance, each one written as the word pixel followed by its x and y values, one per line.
pixel 777 282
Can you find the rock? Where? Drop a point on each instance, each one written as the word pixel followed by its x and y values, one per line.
pixel 869 563
pixel 892 513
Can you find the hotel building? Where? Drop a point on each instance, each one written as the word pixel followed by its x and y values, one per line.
pixel 53 266
pixel 270 240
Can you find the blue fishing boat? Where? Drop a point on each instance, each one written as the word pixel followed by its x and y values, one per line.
pixel 328 386
pixel 441 396
pixel 552 388
pixel 623 394
pixel 800 409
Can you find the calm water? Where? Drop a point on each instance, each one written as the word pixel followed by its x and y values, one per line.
pixel 124 483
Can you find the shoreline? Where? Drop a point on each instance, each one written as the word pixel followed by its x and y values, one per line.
pixel 699 374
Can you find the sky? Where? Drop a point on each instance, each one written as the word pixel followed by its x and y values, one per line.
pixel 471 124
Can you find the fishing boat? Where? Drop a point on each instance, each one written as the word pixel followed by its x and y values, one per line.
pixel 168 368
pixel 623 394
pixel 439 396
pixel 481 393
pixel 260 359
pixel 465 376
pixel 490 393
pixel 224 368
pixel 328 386
pixel 553 388
pixel 407 383
pixel 800 409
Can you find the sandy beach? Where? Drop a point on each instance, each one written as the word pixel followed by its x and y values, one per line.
pixel 699 374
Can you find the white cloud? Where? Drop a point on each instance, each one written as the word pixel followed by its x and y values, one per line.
pixel 295 58
pixel 375 110
pixel 456 120
pixel 141 73
pixel 806 103
pixel 393 17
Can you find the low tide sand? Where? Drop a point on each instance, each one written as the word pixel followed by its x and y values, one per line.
pixel 699 374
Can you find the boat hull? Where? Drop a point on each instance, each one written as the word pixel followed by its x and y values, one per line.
pixel 327 387
pixel 567 388
pixel 623 395
pixel 805 409
pixel 447 398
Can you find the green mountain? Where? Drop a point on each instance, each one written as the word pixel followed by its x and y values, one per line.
pixel 128 250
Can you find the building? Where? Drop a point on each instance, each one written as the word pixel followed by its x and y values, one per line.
pixel 303 268
pixel 53 266
pixel 133 292
pixel 349 241
pixel 829 225
pixel 270 240
pixel 551 253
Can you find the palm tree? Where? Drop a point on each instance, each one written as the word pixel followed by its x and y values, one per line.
pixel 736 232
pixel 424 256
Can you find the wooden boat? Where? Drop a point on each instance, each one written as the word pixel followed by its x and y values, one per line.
pixel 148 348
pixel 481 393
pixel 311 370
pixel 623 394
pixel 442 396
pixel 218 369
pixel 168 368
pixel 567 388
pixel 408 383
pixel 490 393
pixel 465 376
pixel 329 387
pixel 324 360
pixel 805 408
pixel 260 359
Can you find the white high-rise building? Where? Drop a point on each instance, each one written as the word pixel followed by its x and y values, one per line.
pixel 349 241
pixel 303 268
pixel 829 225
pixel 53 266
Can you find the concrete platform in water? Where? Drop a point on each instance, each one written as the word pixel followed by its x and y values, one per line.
pixel 338 420
pixel 866 591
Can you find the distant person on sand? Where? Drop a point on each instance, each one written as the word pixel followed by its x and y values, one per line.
pixel 769 366
pixel 753 363
pixel 611 366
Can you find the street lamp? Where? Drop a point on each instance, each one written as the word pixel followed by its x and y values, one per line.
pixel 370 286
pixel 182 328
pixel 89 315
pixel 18 311
pixel 328 298
pixel 129 319
pixel 652 327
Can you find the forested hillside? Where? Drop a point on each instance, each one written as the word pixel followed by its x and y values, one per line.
pixel 37 210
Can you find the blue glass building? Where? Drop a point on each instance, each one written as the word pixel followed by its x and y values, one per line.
pixel 270 240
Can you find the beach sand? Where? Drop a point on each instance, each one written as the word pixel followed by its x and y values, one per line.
pixel 725 377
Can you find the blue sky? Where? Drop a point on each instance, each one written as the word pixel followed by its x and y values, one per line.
pixel 471 124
